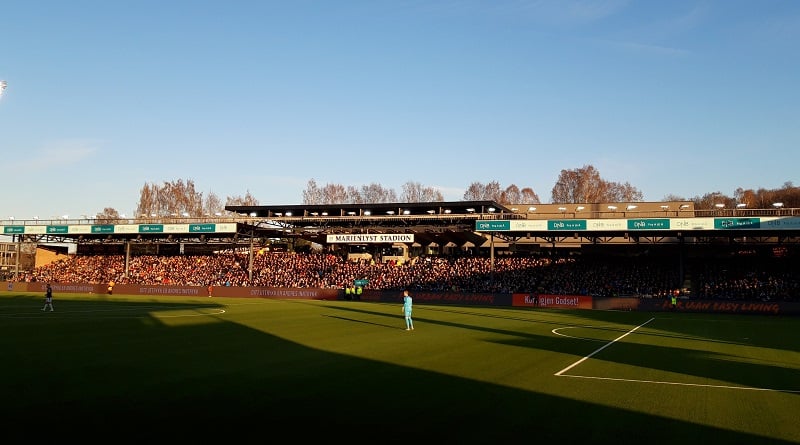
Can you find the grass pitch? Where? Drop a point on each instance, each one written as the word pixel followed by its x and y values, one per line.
pixel 134 369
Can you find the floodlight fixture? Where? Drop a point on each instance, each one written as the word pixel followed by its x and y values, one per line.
pixel 531 209
pixel 579 208
pixel 612 208
pixel 631 207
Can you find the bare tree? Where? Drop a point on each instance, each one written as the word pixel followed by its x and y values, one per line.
pixel 483 192
pixel 416 192
pixel 247 200
pixel 492 192
pixel 746 197
pixel 170 199
pixel 212 205
pixel 474 192
pixel 334 194
pixel 340 194
pixel 709 200
pixel 788 196
pixel 312 194
pixel 107 216
pixel 328 194
pixel 353 195
pixel 528 196
pixel 617 192
pixel 584 185
pixel 148 197
pixel 511 194
pixel 579 185
pixel 376 193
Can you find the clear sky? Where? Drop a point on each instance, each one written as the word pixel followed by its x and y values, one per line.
pixel 679 97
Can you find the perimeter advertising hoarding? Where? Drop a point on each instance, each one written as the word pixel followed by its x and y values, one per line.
pixel 649 224
pixel 179 291
pixel 78 229
pixel 528 300
pixel 552 301
pixel 438 298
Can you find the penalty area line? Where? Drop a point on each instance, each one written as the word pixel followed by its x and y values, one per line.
pixel 602 347
pixel 702 385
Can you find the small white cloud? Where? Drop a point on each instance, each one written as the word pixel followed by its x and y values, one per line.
pixel 450 193
pixel 58 153
pixel 652 49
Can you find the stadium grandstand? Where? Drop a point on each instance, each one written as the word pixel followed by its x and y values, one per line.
pixel 666 244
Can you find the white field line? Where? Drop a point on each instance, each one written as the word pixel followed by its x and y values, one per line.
pixel 658 382
pixel 602 347
pixel 132 312
pixel 655 382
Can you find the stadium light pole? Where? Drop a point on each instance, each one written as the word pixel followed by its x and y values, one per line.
pixel 252 235
pixel 16 257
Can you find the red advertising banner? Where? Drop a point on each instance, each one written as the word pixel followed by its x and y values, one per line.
pixel 182 291
pixel 552 301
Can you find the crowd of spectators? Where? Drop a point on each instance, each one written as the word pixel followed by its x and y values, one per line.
pixel 765 279
pixel 568 275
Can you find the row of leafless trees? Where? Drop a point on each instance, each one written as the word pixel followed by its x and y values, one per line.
pixel 581 185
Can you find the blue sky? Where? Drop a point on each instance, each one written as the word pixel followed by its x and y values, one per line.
pixel 681 97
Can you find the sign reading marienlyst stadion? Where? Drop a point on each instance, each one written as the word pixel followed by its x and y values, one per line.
pixel 371 238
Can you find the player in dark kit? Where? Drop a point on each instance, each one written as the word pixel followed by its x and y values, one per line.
pixel 48 298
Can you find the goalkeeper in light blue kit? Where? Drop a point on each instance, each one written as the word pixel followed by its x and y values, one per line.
pixel 407 307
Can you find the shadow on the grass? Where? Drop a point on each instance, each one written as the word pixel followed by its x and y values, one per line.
pixel 224 382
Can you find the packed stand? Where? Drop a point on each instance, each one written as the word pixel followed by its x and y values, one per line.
pixel 542 274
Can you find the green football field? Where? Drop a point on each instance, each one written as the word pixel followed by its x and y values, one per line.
pixel 171 369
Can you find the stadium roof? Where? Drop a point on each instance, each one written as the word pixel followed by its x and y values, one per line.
pixel 374 209
pixel 430 222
